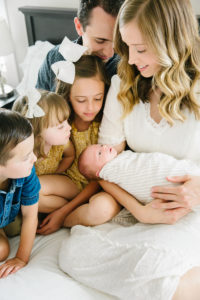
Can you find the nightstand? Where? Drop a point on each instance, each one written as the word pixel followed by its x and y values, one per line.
pixel 8 102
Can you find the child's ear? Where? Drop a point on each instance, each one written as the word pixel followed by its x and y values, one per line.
pixel 78 26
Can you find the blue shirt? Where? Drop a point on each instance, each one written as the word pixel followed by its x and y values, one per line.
pixel 22 191
pixel 46 77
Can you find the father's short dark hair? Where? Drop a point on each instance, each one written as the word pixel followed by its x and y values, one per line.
pixel 85 7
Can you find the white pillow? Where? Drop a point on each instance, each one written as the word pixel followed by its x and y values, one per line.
pixel 31 65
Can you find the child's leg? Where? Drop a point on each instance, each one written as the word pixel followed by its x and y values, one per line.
pixel 55 191
pixel 101 208
pixel 4 245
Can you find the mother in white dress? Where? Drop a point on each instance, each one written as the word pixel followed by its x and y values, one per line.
pixel 153 105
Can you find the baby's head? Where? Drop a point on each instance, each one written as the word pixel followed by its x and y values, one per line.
pixel 16 145
pixel 93 158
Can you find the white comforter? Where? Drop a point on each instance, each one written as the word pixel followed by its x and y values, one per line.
pixel 139 262
pixel 42 279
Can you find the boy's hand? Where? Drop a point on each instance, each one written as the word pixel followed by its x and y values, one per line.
pixel 11 266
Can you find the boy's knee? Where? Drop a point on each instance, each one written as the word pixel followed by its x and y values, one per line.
pixel 4 248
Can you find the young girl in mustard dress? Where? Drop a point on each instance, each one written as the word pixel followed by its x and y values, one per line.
pixel 48 114
pixel 81 81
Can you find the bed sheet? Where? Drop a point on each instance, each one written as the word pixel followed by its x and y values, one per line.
pixel 42 279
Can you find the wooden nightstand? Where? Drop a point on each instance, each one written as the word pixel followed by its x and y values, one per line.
pixel 8 102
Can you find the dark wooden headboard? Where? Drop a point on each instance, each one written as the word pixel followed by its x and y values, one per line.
pixel 49 24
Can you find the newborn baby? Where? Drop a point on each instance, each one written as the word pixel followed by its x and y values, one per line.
pixel 135 172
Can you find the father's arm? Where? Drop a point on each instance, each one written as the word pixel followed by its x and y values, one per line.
pixel 46 76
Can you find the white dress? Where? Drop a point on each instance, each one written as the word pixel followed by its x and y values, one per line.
pixel 142 261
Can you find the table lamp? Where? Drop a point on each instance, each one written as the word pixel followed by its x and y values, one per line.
pixel 6 48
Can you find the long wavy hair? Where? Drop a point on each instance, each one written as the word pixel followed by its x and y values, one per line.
pixel 56 111
pixel 170 29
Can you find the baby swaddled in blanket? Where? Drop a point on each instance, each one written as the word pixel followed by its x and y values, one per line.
pixel 135 172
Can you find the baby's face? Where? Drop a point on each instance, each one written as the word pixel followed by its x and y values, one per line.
pixel 99 155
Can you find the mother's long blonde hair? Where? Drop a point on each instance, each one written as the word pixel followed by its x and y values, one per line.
pixel 170 29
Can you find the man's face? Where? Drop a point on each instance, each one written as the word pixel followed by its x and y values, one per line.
pixel 98 34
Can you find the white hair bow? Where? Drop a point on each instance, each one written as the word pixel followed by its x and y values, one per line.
pixel 65 70
pixel 34 110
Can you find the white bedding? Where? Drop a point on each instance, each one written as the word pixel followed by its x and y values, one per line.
pixel 31 65
pixel 42 278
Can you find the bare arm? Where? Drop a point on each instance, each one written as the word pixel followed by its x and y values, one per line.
pixel 29 225
pixel 68 158
pixel 143 213
pixel 120 147
pixel 55 220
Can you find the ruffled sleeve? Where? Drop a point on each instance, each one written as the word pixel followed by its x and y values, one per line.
pixel 112 129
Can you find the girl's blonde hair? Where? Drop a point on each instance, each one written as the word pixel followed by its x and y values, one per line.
pixel 56 111
pixel 86 67
pixel 170 29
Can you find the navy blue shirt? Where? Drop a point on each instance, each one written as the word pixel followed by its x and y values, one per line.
pixel 46 76
pixel 22 191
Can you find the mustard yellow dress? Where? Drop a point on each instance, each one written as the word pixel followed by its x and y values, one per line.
pixel 80 140
pixel 50 164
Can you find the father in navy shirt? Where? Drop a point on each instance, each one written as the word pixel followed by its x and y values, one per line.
pixel 94 24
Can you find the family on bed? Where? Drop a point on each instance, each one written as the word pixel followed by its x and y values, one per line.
pixel 63 152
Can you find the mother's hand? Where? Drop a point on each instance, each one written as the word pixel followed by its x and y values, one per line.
pixel 186 195
pixel 149 214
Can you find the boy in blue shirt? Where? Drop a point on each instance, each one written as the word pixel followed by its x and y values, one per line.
pixel 19 187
